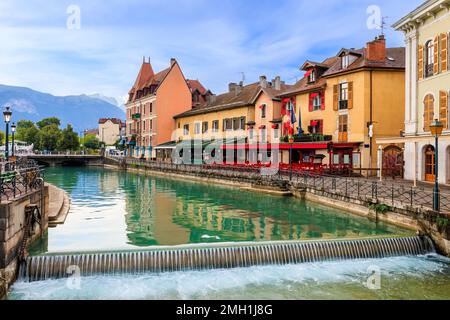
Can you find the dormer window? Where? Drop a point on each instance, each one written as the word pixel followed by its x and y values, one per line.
pixel 345 61
pixel 312 76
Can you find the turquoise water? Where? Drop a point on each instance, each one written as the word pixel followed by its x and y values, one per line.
pixel 400 278
pixel 117 210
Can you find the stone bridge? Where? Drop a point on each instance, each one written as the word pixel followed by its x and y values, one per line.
pixel 62 159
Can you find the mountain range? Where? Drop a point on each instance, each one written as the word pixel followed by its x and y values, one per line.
pixel 82 111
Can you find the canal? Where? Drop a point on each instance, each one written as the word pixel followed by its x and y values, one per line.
pixel 113 210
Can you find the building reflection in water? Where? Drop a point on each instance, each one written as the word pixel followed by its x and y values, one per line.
pixel 171 212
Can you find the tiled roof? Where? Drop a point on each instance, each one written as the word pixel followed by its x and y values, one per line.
pixel 147 78
pixel 303 85
pixel 195 84
pixel 231 100
pixel 395 59
pixel 113 120
pixel 145 74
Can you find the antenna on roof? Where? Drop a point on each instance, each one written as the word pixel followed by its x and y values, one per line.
pixel 243 76
pixel 383 24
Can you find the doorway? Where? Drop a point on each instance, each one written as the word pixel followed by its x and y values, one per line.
pixel 430 161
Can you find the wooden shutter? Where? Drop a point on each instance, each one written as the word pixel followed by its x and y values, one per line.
pixel 443 108
pixel 428 114
pixel 336 97
pixel 311 99
pixel 350 95
pixel 436 55
pixel 420 62
pixel 444 52
pixel 224 124
pixel 322 100
pixel 321 126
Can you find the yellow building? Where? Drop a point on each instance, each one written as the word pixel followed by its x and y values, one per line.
pixel 244 113
pixel 349 101
pixel 427 30
pixel 110 130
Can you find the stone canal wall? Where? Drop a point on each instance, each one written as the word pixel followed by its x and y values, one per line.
pixel 436 226
pixel 17 228
pixel 16 232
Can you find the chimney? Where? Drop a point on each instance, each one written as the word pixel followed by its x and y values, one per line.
pixel 263 81
pixel 376 49
pixel 172 61
pixel 232 86
pixel 277 83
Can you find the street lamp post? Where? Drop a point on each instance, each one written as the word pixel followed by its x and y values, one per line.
pixel 291 142
pixel 7 117
pixel 13 131
pixel 436 129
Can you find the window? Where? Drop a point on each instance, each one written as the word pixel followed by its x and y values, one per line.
pixel 151 125
pixel 235 124
pixel 195 98
pixel 428 112
pixel 242 123
pixel 343 96
pixel 186 129
pixel 215 126
pixel 151 107
pixel 205 127
pixel 197 128
pixel 144 127
pixel 429 58
pixel 227 124
pixel 316 102
pixel 316 126
pixel 263 111
pixel 312 76
pixel 345 61
pixel 343 128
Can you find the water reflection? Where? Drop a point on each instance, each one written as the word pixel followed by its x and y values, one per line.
pixel 115 210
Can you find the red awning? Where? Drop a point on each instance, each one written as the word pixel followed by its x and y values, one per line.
pixel 283 146
pixel 308 73
pixel 274 126
pixel 313 95
pixel 314 123
pixel 262 127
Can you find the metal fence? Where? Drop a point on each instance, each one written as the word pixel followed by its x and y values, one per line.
pixel 19 178
pixel 395 194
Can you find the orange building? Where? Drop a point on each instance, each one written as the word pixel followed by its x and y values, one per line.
pixel 153 101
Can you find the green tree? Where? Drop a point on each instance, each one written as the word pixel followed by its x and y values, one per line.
pixel 2 138
pixel 91 142
pixel 27 132
pixel 119 145
pixel 68 140
pixel 49 137
pixel 48 122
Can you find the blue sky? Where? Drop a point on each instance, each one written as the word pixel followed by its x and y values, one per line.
pixel 213 40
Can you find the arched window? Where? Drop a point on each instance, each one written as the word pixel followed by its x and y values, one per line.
pixel 429 58
pixel 428 112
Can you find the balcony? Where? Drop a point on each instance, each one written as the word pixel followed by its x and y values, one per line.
pixel 136 116
pixel 343 104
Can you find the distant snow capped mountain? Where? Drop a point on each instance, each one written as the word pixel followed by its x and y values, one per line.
pixel 110 100
pixel 82 111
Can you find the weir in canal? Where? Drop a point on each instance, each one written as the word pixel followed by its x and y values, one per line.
pixel 233 256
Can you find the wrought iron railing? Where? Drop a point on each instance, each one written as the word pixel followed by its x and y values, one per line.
pixel 395 194
pixel 19 178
